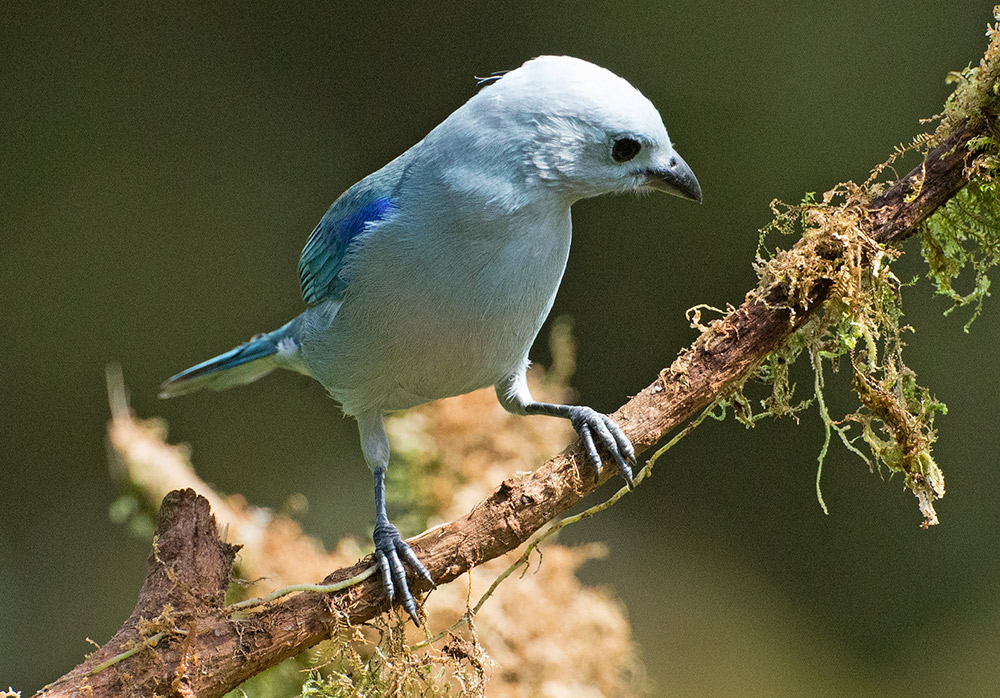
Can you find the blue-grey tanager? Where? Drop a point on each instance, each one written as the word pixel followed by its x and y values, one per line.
pixel 431 277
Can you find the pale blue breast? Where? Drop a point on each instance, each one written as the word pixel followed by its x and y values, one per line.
pixel 437 310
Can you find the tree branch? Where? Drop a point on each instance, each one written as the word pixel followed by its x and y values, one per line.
pixel 205 652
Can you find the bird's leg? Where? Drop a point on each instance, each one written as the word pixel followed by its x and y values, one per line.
pixel 594 427
pixel 389 548
pixel 389 544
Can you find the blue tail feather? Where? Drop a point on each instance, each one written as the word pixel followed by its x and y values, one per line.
pixel 244 364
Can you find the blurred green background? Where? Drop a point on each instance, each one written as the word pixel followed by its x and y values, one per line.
pixel 163 165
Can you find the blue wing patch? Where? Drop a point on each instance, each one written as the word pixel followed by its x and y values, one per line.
pixel 323 256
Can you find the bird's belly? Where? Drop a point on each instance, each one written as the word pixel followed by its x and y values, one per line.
pixel 421 355
pixel 381 354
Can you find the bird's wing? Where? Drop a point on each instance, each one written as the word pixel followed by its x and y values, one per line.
pixel 349 217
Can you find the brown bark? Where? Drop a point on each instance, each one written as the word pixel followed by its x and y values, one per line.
pixel 191 567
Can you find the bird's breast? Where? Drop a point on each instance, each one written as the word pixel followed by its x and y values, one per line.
pixel 442 315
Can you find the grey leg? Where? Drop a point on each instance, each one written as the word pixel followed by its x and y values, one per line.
pixel 390 548
pixel 594 428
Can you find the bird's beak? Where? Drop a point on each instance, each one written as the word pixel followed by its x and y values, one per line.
pixel 675 177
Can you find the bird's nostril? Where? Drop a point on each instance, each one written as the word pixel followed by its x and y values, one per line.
pixel 673 162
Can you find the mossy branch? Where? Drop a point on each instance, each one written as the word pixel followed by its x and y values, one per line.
pixel 205 651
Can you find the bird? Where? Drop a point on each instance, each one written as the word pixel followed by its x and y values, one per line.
pixel 432 276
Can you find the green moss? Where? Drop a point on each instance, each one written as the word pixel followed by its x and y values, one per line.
pixel 862 319
pixel 965 235
pixel 861 322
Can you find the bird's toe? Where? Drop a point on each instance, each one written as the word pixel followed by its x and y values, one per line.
pixel 595 428
pixel 390 551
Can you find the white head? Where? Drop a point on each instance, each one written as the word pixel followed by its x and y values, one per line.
pixel 575 128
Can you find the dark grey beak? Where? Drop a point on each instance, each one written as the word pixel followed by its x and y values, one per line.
pixel 675 178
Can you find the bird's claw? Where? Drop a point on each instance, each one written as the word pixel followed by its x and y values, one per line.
pixel 596 428
pixel 389 548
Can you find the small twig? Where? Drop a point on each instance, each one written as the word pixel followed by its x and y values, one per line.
pixel 293 588
pixel 147 642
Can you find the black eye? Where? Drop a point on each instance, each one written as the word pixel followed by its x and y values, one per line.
pixel 625 149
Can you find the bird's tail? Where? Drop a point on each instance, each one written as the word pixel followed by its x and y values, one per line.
pixel 244 364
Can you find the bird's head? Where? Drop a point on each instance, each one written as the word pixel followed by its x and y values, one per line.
pixel 578 129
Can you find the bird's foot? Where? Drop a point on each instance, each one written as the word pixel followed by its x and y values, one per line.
pixel 389 548
pixel 595 428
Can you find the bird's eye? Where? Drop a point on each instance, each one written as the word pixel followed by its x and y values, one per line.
pixel 625 149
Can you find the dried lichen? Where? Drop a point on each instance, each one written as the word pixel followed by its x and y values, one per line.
pixel 976 95
pixel 861 319
pixel 355 668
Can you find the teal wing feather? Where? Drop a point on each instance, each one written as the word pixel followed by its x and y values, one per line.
pixel 323 256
